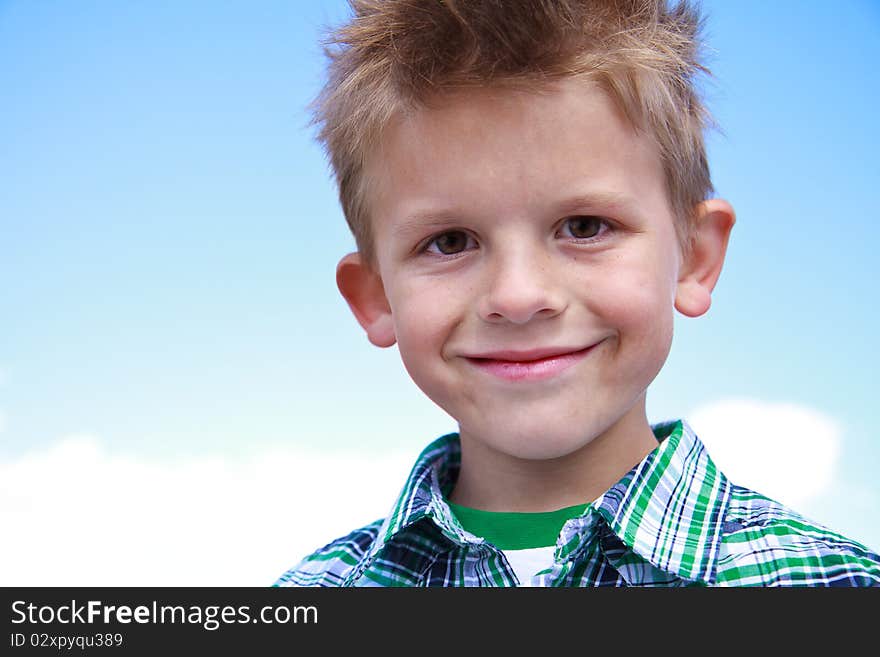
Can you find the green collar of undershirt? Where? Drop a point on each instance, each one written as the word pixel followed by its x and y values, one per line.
pixel 516 531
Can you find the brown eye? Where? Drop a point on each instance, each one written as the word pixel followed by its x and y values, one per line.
pixel 450 243
pixel 584 227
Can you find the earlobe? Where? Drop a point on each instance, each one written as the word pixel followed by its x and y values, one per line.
pixel 700 271
pixel 363 290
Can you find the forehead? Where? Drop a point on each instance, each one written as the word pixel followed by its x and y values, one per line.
pixel 481 152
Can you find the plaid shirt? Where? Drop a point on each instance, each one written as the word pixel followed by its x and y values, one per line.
pixel 673 520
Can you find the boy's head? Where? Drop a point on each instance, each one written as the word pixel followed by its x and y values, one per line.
pixel 526 183
pixel 396 56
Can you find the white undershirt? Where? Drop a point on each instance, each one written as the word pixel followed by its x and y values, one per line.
pixel 526 563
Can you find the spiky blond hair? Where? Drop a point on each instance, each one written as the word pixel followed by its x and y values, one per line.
pixel 394 54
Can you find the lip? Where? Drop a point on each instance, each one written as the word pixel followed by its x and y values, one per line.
pixel 532 365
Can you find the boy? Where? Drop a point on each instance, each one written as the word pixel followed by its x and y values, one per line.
pixel 560 143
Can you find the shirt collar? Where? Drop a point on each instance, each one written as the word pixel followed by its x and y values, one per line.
pixel 668 509
pixel 424 495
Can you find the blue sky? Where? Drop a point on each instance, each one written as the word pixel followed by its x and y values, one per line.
pixel 170 232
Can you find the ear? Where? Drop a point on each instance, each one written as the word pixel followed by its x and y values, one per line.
pixel 700 271
pixel 365 294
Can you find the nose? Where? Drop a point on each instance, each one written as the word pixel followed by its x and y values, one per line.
pixel 521 284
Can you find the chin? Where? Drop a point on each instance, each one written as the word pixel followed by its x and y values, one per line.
pixel 539 446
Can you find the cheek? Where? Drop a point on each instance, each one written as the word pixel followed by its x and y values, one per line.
pixel 423 317
pixel 637 302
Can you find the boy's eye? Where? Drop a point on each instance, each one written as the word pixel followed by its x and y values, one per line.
pixel 584 227
pixel 450 243
pixel 453 242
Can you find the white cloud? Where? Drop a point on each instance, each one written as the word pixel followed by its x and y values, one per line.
pixel 784 451
pixel 77 515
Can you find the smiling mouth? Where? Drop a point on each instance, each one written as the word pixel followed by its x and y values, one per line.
pixel 530 370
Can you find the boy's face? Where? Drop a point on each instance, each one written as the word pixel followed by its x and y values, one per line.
pixel 510 221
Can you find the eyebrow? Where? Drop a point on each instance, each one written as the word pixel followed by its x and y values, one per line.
pixel 598 200
pixel 420 221
pixel 446 218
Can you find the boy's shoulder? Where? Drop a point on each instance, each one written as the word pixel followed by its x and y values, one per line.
pixel 333 564
pixel 398 545
pixel 766 543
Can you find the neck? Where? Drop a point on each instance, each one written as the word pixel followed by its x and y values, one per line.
pixel 496 481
